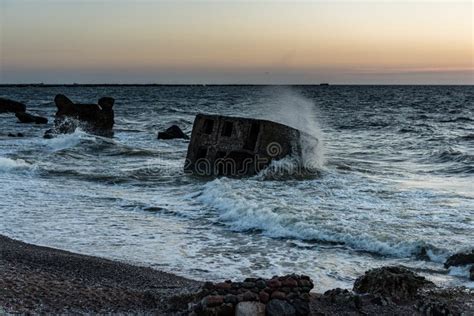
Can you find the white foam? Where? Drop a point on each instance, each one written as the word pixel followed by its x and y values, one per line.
pixel 64 141
pixel 7 164
pixel 243 211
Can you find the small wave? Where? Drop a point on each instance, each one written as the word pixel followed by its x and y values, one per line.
pixel 7 164
pixel 466 137
pixel 457 119
pixel 452 155
pixel 65 141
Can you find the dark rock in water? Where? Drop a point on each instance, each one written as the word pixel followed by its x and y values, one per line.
pixel 94 118
pixel 17 135
pixel 460 259
pixel 50 133
pixel 280 308
pixel 234 146
pixel 172 132
pixel 397 282
pixel 7 105
pixel 24 117
pixel 471 273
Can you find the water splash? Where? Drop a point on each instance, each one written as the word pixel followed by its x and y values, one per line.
pixel 289 107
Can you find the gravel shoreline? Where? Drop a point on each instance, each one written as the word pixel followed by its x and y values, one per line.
pixel 42 280
pixel 46 280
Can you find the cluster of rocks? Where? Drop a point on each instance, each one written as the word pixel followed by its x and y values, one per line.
pixel 10 106
pixel 462 259
pixel 393 290
pixel 284 295
pixel 93 118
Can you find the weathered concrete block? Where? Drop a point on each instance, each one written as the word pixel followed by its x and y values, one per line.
pixel 234 146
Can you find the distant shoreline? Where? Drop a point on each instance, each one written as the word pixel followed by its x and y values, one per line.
pixel 41 85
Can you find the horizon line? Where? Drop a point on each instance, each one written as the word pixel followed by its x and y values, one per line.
pixel 322 84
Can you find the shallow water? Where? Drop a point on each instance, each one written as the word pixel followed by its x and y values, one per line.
pixel 396 174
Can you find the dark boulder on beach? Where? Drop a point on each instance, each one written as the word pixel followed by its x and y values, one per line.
pixel 24 117
pixel 11 106
pixel 172 132
pixel 94 118
pixel 397 282
pixel 460 259
pixel 277 307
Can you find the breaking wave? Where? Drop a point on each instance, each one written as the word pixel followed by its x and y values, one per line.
pixel 243 214
pixel 7 164
pixel 65 141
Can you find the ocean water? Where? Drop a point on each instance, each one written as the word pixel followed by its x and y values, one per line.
pixel 395 183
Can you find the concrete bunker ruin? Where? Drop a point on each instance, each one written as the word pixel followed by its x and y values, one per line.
pixel 234 146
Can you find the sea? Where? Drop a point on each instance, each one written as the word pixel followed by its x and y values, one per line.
pixel 394 182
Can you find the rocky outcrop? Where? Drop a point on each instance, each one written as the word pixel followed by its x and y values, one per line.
pixel 460 259
pixel 93 118
pixel 11 106
pixel 24 117
pixel 396 282
pixel 172 132
pixel 285 295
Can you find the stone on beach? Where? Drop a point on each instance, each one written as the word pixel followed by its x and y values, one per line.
pixel 172 132
pixel 24 117
pixel 277 307
pixel 7 105
pixel 398 282
pixel 250 309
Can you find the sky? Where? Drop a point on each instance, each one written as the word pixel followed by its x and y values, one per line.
pixel 237 42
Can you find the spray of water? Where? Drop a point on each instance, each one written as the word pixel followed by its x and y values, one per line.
pixel 288 107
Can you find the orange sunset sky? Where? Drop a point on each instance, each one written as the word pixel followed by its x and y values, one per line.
pixel 263 42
